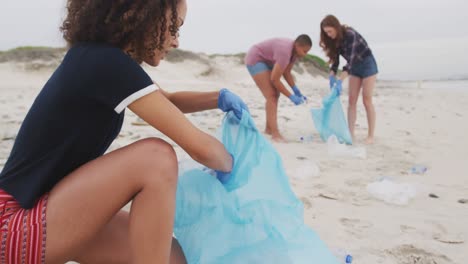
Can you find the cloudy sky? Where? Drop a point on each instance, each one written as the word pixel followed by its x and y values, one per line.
pixel 414 28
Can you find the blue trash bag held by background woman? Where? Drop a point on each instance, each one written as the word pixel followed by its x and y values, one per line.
pixel 254 218
pixel 330 119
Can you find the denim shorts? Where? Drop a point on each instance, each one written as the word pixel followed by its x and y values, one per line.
pixel 258 68
pixel 365 68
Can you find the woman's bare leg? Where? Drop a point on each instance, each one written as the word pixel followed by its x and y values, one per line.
pixel 112 244
pixel 354 88
pixel 88 200
pixel 271 94
pixel 368 85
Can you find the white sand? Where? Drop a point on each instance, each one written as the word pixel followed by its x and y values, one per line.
pixel 414 126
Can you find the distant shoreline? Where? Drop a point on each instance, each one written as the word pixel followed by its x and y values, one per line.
pixel 453 79
pixel 25 54
pixel 36 58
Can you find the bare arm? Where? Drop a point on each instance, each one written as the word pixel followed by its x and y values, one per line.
pixel 276 74
pixel 336 63
pixel 160 113
pixel 189 102
pixel 288 75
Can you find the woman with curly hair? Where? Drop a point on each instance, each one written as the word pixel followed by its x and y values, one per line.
pixel 337 39
pixel 60 195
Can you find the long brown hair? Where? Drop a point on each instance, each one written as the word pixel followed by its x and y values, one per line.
pixel 139 26
pixel 330 46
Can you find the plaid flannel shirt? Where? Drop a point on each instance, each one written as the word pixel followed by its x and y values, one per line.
pixel 353 48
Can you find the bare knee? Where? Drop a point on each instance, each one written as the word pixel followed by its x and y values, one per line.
pixel 367 100
pixel 273 99
pixel 277 95
pixel 157 160
pixel 352 102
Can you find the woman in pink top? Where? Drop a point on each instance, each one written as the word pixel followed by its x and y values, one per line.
pixel 266 62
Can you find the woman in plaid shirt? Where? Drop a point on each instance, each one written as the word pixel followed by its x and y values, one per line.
pixel 337 39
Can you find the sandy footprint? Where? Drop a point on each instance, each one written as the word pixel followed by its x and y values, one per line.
pixel 409 254
pixel 356 223
pixel 319 186
pixel 356 182
pixel 407 229
pixel 324 193
pixel 444 236
pixel 355 227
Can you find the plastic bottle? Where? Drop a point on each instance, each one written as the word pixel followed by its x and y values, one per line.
pixel 306 138
pixel 342 256
pixel 418 169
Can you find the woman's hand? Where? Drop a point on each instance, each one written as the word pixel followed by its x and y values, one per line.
pixel 343 75
pixel 229 101
pixel 338 86
pixel 332 80
pixel 296 99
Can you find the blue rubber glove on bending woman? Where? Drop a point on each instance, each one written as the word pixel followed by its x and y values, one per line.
pixel 298 93
pixel 296 99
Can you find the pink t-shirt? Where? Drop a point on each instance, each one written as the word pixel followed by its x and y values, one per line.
pixel 271 51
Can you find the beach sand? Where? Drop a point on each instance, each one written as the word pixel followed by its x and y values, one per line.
pixel 424 126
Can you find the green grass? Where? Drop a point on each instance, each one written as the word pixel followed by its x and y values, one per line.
pixel 319 61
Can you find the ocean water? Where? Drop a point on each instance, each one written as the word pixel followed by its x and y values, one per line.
pixel 439 60
pixel 447 85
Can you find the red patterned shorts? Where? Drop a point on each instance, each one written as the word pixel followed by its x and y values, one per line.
pixel 22 232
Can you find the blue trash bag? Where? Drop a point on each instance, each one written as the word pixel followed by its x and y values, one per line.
pixel 254 218
pixel 330 119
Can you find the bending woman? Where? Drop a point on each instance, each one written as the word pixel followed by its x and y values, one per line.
pixel 267 62
pixel 337 39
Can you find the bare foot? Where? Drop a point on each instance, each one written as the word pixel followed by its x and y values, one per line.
pixel 268 131
pixel 278 138
pixel 369 141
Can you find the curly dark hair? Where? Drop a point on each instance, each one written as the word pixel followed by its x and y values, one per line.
pixel 137 26
pixel 331 46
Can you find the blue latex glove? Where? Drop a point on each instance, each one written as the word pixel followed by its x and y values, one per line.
pixel 222 176
pixel 297 92
pixel 332 79
pixel 338 86
pixel 296 99
pixel 229 101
